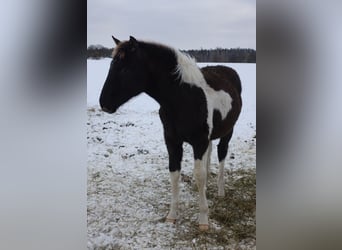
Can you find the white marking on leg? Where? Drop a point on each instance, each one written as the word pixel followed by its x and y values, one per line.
pixel 220 180
pixel 172 216
pixel 208 161
pixel 201 178
pixel 190 73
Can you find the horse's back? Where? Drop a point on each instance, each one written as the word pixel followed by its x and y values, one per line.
pixel 222 78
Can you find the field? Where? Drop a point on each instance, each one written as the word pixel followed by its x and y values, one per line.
pixel 128 180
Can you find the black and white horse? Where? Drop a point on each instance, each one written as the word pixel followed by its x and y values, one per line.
pixel 196 106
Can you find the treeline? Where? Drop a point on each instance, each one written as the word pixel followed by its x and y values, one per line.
pixel 98 52
pixel 236 55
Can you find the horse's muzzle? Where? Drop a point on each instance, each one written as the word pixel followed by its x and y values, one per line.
pixel 107 110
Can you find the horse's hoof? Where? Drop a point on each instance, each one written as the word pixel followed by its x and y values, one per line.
pixel 170 220
pixel 203 227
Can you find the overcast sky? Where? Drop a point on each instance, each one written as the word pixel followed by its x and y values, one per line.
pixel 184 24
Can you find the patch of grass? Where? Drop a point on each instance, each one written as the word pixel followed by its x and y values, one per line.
pixel 236 210
pixel 232 217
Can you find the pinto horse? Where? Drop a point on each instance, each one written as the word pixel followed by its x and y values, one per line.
pixel 196 106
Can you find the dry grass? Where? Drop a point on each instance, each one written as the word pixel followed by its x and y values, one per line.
pixel 236 211
pixel 232 218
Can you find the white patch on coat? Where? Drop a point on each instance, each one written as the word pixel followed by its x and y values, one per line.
pixel 189 73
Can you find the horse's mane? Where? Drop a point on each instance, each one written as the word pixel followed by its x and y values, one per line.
pixel 187 69
pixel 185 66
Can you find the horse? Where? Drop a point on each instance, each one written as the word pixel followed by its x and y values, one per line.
pixel 196 106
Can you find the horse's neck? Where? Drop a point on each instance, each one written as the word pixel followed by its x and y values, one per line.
pixel 163 87
pixel 161 65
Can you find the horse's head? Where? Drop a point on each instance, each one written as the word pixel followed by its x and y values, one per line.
pixel 127 76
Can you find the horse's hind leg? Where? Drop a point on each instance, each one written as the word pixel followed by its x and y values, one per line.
pixel 208 160
pixel 201 154
pixel 222 149
pixel 175 151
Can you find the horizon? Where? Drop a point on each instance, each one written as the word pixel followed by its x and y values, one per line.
pixel 217 48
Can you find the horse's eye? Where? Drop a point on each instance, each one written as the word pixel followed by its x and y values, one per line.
pixel 114 61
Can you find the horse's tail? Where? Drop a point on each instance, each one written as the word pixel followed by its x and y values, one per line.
pixel 234 78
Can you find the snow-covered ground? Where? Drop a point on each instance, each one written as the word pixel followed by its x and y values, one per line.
pixel 128 178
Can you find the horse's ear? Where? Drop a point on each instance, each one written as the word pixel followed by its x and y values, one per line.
pixel 117 41
pixel 133 42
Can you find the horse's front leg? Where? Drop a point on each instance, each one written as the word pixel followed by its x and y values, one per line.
pixel 175 151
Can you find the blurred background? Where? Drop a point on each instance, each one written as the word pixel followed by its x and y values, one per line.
pixel 43 146
pixel 43 137
pixel 299 199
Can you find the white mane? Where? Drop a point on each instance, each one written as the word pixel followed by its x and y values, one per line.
pixel 188 70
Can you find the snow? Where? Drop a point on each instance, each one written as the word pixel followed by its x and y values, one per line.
pixel 128 179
